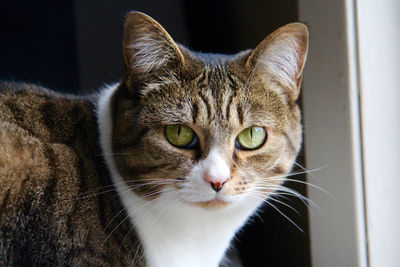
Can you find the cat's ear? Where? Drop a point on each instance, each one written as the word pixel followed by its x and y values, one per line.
pixel 281 57
pixel 148 48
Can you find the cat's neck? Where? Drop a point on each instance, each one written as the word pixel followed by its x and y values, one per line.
pixel 173 233
pixel 178 234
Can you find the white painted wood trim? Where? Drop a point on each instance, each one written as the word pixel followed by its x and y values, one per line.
pixel 379 53
pixel 332 134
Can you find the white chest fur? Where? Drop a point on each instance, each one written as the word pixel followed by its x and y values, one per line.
pixel 174 233
pixel 178 234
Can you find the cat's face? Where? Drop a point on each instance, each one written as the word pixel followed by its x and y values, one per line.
pixel 205 129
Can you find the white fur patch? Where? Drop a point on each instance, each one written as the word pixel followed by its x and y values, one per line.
pixel 215 165
pixel 198 190
pixel 174 233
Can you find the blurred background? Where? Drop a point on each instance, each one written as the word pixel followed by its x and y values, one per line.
pixel 75 47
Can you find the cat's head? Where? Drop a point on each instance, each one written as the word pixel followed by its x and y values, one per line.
pixel 209 130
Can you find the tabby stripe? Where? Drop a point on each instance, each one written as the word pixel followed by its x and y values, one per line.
pixel 4 201
pixel 206 104
pixel 228 107
pixel 52 182
pixel 235 157
pixel 239 112
pixel 27 204
pixel 48 112
pixel 202 78
pixel 209 76
pixel 219 72
pixel 195 112
pixel 232 83
pixel 69 226
pixel 233 89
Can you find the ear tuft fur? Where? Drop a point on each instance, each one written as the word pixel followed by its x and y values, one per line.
pixel 281 56
pixel 147 47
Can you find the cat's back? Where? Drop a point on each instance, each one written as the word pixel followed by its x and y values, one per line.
pixel 50 161
pixel 42 113
pixel 35 125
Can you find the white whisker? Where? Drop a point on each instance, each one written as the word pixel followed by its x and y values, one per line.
pixel 290 220
pixel 300 196
pixel 262 197
pixel 136 253
pixel 124 186
pixel 299 181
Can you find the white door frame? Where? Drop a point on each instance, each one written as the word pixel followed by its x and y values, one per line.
pixel 379 74
pixel 351 100
pixel 333 134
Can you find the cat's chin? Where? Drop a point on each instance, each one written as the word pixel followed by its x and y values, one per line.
pixel 216 201
pixel 212 204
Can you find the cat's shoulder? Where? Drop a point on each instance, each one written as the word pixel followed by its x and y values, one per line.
pixel 33 106
pixel 33 119
pixel 40 128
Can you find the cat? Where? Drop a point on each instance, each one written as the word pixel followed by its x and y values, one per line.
pixel 160 169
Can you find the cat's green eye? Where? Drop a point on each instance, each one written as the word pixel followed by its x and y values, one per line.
pixel 252 138
pixel 180 135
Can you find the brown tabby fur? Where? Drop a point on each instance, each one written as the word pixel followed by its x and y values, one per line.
pixel 57 202
pixel 51 177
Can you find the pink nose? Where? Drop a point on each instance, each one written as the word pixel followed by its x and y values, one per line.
pixel 216 182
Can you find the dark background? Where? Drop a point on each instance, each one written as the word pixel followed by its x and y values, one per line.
pixel 75 47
